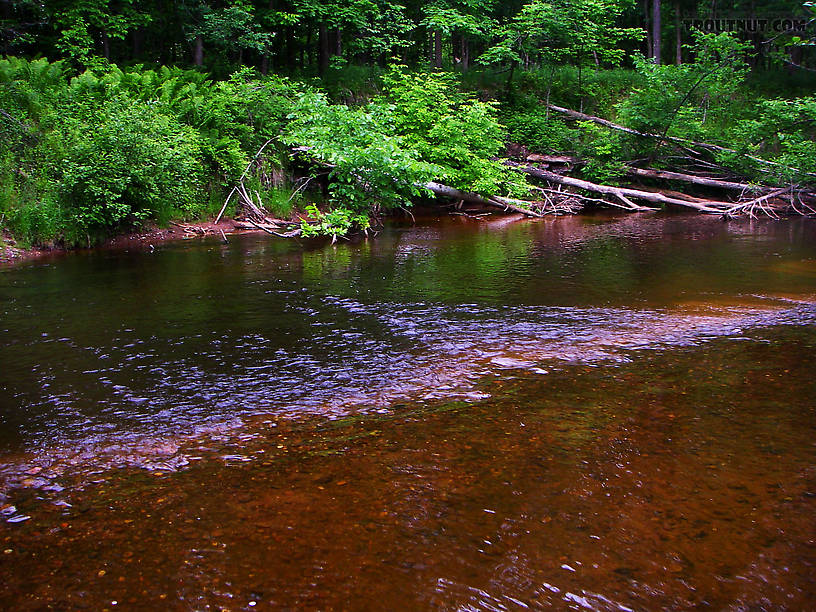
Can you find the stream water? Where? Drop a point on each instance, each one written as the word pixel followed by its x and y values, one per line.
pixel 603 413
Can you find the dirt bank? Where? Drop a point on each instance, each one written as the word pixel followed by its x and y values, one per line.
pixel 11 253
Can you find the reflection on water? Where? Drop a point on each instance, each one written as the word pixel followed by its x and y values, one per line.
pixel 598 413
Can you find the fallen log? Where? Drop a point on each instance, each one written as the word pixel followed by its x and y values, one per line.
pixel 600 121
pixel 674 194
pixel 624 193
pixel 762 203
pixel 291 234
pixel 553 159
pixel 673 139
pixel 494 201
pixel 695 180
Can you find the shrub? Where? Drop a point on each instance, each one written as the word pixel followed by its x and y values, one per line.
pixel 127 163
pixel 539 130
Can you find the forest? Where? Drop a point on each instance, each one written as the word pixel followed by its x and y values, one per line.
pixel 318 118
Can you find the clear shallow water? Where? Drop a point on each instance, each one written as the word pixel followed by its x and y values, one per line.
pixel 592 393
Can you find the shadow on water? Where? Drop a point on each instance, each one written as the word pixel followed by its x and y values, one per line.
pixel 600 413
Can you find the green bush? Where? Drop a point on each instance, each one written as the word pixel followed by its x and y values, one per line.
pixel 781 130
pixel 445 128
pixel 337 222
pixel 420 129
pixel 86 156
pixel 367 164
pixel 123 163
pixel 539 130
pixel 603 151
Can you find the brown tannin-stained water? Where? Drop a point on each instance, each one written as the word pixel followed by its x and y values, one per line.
pixel 595 413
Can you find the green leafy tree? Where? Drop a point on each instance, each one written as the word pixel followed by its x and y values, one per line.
pixel 79 22
pixel 466 19
pixel 581 32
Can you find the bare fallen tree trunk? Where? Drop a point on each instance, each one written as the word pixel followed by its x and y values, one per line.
pixel 673 139
pixel 605 122
pixel 792 194
pixel 761 204
pixel 519 206
pixel 267 228
pixel 553 159
pixel 695 180
pixel 624 193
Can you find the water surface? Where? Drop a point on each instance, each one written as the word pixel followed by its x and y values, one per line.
pixel 600 413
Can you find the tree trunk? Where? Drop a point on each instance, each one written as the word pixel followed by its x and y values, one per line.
pixel 338 41
pixel 678 36
pixel 666 175
pixel 138 38
pixel 323 44
pixel 683 142
pixel 465 54
pixel 306 53
pixel 437 50
pixel 519 206
pixel 646 22
pixel 509 84
pixel 198 51
pixel 656 30
pixel 106 45
pixel 265 58
pixel 624 193
pixel 289 48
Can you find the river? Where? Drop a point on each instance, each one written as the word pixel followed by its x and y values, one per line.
pixel 600 412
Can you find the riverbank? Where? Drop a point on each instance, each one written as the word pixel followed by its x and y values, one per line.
pixel 127 153
pixel 146 238
pixel 11 254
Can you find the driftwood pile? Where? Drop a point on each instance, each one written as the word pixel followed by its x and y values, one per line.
pixel 254 216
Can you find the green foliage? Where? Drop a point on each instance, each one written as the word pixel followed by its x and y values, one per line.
pixel 468 18
pixel 351 84
pixel 234 28
pixel 79 20
pixel 529 123
pixel 367 163
pixel 280 202
pixel 696 101
pixel 420 129
pixel 34 224
pixel 82 155
pixel 600 90
pixel 784 130
pixel 581 30
pixel 336 222
pixel 692 99
pixel 457 134
pixel 29 89
pixel 126 165
pixel 235 117
pixel 602 149
pixel 118 148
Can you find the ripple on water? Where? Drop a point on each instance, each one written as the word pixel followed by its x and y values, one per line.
pixel 141 408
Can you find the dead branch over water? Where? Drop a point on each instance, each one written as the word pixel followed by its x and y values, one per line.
pixel 558 193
